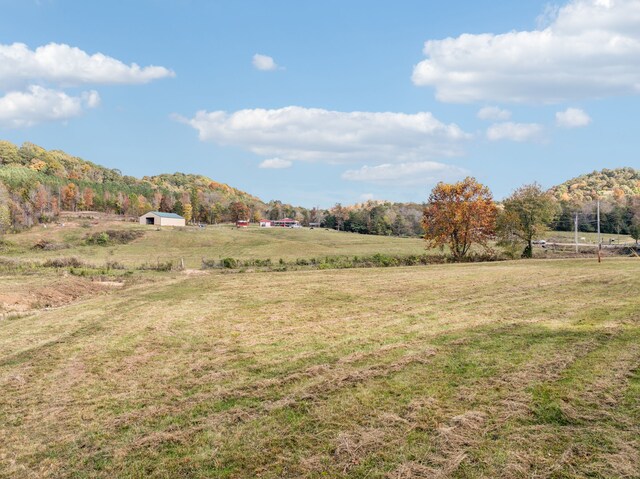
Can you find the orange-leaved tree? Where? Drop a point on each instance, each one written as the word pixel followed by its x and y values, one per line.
pixel 69 196
pixel 239 211
pixel 458 215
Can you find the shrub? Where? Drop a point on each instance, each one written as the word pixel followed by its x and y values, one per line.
pixel 70 262
pixel 229 263
pixel 13 265
pixel 114 265
pixel 158 266
pixel 113 237
pixel 49 246
pixel 209 263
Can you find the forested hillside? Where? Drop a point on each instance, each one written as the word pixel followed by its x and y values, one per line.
pixel 605 184
pixel 618 191
pixel 36 184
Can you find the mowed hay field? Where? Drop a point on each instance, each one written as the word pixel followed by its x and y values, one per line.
pixel 193 244
pixel 509 369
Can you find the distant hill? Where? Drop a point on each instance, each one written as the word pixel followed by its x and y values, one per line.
pixel 56 167
pixel 182 181
pixel 604 184
pixel 37 183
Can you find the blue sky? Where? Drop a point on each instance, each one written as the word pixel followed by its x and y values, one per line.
pixel 344 101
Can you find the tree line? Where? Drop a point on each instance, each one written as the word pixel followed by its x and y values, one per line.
pixel 462 215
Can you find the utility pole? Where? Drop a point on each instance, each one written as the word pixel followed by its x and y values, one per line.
pixel 575 229
pixel 599 238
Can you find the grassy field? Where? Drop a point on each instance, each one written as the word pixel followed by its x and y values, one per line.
pixel 193 244
pixel 592 238
pixel 510 369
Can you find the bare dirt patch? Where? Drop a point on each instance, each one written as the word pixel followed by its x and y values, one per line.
pixel 194 272
pixel 28 297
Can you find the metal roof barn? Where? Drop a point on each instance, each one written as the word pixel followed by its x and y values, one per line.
pixel 159 218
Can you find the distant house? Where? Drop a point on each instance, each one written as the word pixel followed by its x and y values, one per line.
pixel 158 218
pixel 242 224
pixel 265 223
pixel 314 225
pixel 286 223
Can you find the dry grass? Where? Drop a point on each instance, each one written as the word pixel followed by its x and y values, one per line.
pixel 519 369
pixel 47 289
pixel 193 244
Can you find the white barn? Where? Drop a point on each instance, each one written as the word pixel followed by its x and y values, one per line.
pixel 159 218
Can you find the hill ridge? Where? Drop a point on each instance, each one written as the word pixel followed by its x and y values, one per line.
pixel 604 183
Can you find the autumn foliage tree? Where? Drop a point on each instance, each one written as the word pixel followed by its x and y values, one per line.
pixel 69 196
pixel 87 198
pixel 459 215
pixel 239 211
pixel 187 212
pixel 341 214
pixel 41 200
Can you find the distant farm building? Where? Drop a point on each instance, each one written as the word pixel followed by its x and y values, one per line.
pixel 314 225
pixel 286 223
pixel 242 224
pixel 265 223
pixel 158 218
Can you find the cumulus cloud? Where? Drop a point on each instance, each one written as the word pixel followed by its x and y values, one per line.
pixel 572 118
pixel 31 81
pixel 514 131
pixel 36 105
pixel 313 134
pixel 65 65
pixel 264 62
pixel 275 163
pixel 589 49
pixel 493 113
pixel 406 174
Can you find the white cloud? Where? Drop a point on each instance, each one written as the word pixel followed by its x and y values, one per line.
pixel 65 65
pixel 514 131
pixel 572 118
pixel 91 98
pixel 27 76
pixel 493 113
pixel 406 174
pixel 590 49
pixel 367 196
pixel 275 163
pixel 38 104
pixel 313 134
pixel 264 62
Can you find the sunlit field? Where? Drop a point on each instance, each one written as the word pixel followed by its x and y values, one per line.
pixel 508 369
